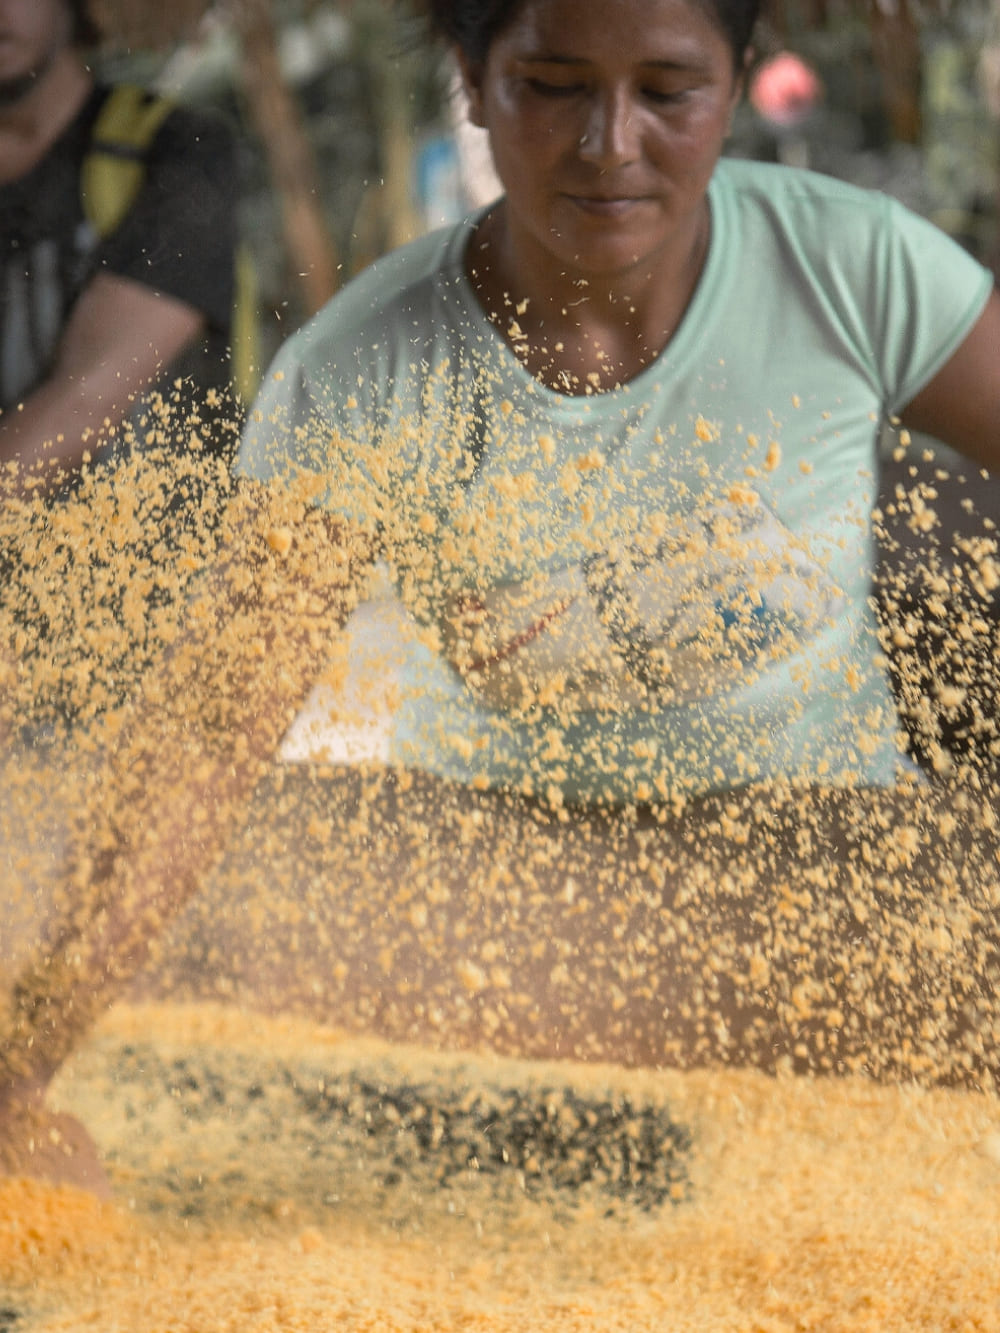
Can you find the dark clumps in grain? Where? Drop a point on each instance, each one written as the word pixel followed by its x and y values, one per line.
pixel 549 1137
pixel 548 1142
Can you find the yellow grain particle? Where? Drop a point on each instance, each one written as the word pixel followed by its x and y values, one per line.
pixel 547 447
pixel 950 696
pixel 592 461
pixel 471 975
pixel 279 540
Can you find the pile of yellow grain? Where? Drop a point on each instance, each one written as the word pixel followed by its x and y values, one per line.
pixel 815 1205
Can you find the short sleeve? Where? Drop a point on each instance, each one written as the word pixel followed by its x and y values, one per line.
pixel 929 294
pixel 179 237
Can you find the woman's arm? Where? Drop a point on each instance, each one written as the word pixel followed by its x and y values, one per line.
pixel 177 777
pixel 119 337
pixel 961 404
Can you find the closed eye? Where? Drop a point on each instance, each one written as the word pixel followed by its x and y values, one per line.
pixel 666 97
pixel 547 89
pixel 656 96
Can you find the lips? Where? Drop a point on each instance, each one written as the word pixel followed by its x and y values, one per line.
pixel 606 205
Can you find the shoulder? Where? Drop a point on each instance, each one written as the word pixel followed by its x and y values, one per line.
pixel 789 197
pixel 387 311
pixel 157 125
pixel 408 276
pixel 359 360
pixel 837 266
pixel 200 132
pixel 811 224
pixel 818 212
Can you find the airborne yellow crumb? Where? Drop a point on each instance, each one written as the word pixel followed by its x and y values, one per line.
pixel 279 540
pixel 239 1208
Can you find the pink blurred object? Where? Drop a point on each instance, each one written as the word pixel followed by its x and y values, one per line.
pixel 784 90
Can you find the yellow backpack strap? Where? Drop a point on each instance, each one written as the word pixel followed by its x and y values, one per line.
pixel 244 334
pixel 112 173
pixel 115 164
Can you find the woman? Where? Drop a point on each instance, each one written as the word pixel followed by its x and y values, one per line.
pixel 616 436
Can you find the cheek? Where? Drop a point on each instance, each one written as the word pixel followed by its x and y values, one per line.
pixel 529 121
pixel 694 148
pixel 530 144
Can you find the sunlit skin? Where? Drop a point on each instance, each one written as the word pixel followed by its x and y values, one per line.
pixel 605 149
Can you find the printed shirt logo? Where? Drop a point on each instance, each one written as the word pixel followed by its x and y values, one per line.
pixel 695 613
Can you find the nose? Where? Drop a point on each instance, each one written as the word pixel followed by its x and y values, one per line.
pixel 610 135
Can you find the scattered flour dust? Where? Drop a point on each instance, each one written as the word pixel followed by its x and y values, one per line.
pixel 273 1174
pixel 814 1204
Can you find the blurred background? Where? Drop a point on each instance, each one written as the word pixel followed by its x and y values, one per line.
pixel 348 121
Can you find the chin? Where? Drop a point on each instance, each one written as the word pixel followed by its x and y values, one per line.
pixel 611 262
pixel 608 251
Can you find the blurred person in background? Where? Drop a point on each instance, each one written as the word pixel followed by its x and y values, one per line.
pixel 117 242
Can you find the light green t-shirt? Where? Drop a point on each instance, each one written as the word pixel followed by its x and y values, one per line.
pixel 658 590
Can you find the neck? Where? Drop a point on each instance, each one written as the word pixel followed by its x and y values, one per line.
pixel 583 334
pixel 35 110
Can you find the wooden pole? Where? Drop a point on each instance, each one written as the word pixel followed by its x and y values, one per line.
pixel 896 50
pixel 278 122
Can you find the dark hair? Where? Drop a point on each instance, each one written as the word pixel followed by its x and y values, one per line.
pixel 473 25
pixel 85 30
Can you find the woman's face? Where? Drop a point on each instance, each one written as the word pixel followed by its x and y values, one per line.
pixel 606 119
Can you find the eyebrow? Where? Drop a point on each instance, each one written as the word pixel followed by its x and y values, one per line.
pixel 551 58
